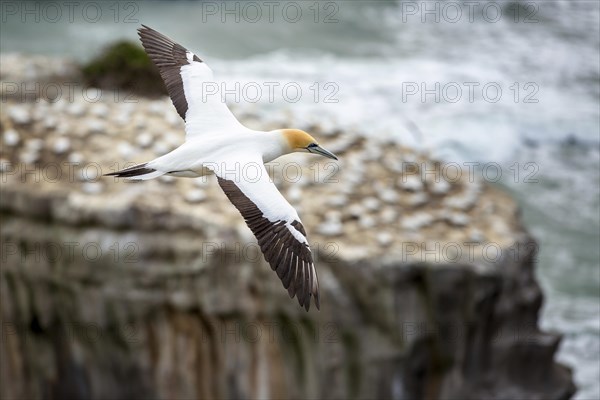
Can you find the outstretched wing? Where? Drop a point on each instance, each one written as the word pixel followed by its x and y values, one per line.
pixel 277 227
pixel 190 84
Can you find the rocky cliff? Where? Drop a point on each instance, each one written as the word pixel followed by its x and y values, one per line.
pixel 158 290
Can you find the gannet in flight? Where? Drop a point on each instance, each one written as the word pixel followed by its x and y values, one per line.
pixel 216 142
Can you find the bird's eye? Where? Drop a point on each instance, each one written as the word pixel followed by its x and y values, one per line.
pixel 312 145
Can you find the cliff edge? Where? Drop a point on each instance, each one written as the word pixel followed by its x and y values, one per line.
pixel 158 289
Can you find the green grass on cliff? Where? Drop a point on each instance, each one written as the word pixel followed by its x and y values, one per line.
pixel 124 66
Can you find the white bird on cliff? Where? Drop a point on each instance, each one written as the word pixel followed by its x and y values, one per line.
pixel 216 142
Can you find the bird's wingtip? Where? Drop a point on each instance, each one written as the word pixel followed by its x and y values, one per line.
pixel 145 30
pixel 306 304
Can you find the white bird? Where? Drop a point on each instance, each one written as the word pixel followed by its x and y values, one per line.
pixel 217 143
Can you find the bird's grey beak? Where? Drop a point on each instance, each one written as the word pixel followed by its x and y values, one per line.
pixel 321 151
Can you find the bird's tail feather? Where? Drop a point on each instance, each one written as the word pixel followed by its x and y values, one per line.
pixel 137 172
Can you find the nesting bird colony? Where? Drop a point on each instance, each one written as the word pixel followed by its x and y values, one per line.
pixel 379 200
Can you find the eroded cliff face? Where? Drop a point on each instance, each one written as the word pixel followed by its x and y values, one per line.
pixel 158 290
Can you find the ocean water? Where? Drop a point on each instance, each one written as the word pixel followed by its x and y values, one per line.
pixel 513 86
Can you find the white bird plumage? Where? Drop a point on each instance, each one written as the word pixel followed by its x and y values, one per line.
pixel 217 143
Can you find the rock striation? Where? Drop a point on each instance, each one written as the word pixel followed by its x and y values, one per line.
pixel 158 290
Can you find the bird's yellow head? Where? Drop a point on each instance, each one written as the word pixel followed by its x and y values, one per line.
pixel 298 140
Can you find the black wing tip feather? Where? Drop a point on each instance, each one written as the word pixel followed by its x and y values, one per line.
pixel 146 30
pixel 289 258
pixel 150 37
pixel 136 170
pixel 169 57
pixel 306 303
